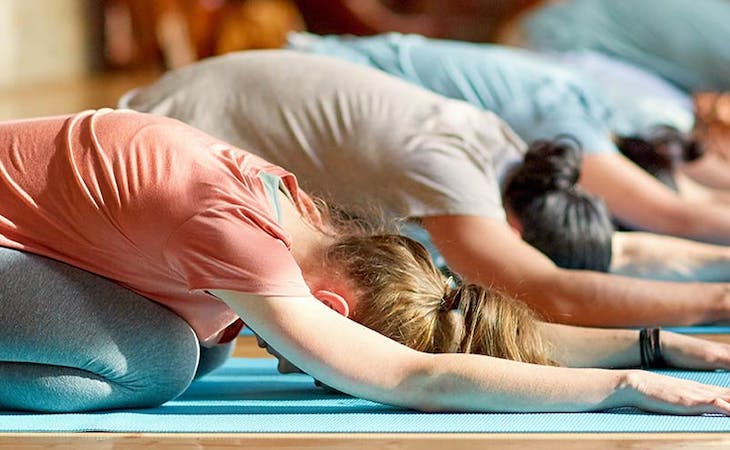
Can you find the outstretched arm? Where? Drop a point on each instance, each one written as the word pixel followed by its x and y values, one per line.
pixel 636 197
pixel 487 252
pixel 698 192
pixel 659 257
pixel 710 170
pixel 612 348
pixel 362 362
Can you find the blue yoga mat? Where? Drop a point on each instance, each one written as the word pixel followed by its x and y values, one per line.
pixel 249 396
pixel 695 329
pixel 702 329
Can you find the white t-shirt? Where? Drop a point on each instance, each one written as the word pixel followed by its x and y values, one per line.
pixel 353 135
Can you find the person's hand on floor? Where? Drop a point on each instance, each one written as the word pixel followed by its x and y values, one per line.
pixel 687 352
pixel 285 366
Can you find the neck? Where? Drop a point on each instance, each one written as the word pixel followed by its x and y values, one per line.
pixel 308 241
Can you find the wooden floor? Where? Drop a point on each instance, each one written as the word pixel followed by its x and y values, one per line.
pixel 103 91
pixel 69 96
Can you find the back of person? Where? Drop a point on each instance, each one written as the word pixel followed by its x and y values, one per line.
pixel 685 41
pixel 538 99
pixel 149 202
pixel 640 100
pixel 353 135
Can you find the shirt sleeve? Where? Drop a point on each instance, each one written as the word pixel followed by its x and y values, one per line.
pixel 227 249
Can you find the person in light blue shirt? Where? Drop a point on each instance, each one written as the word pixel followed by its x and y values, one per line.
pixel 539 99
pixel 639 100
pixel 684 41
pixel 534 98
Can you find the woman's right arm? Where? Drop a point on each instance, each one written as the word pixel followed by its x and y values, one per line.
pixel 361 362
pixel 488 252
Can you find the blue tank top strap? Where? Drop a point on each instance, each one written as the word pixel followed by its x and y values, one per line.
pixel 273 185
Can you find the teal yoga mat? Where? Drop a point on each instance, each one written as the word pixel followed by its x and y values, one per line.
pixel 248 396
pixel 697 329
pixel 702 329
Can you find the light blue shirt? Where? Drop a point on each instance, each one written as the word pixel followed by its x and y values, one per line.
pixel 537 100
pixel 685 41
pixel 640 100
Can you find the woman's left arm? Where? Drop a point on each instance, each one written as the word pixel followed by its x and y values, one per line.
pixel 614 348
pixel 361 362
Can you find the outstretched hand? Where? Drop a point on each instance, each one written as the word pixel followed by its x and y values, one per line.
pixel 687 352
pixel 669 395
pixel 285 366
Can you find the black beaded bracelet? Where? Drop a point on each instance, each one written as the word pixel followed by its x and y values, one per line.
pixel 650 347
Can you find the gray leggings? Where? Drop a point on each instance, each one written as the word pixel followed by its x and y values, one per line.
pixel 73 341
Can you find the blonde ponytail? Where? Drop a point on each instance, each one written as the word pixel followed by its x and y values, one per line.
pixel 404 297
pixel 498 325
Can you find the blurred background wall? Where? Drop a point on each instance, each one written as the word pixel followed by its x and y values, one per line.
pixel 43 40
pixel 60 56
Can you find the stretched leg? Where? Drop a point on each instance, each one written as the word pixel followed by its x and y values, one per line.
pixel 73 341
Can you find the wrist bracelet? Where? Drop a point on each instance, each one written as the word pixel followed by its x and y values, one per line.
pixel 650 348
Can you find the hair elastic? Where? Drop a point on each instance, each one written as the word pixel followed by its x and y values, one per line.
pixel 451 298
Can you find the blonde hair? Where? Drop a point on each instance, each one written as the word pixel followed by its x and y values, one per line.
pixel 406 298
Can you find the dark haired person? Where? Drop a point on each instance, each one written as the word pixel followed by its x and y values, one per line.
pixel 361 138
pixel 553 213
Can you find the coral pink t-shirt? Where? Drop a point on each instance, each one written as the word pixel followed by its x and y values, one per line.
pixel 151 203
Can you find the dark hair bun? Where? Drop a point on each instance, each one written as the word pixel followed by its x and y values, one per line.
pixel 548 166
pixel 663 146
pixel 660 150
pixel 554 165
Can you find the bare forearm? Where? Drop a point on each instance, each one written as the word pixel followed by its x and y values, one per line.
pixel 595 299
pixel 708 222
pixel 638 199
pixel 573 346
pixel 486 252
pixel 657 257
pixel 710 173
pixel 450 385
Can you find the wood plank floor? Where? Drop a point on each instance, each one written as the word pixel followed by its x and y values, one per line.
pixel 103 91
